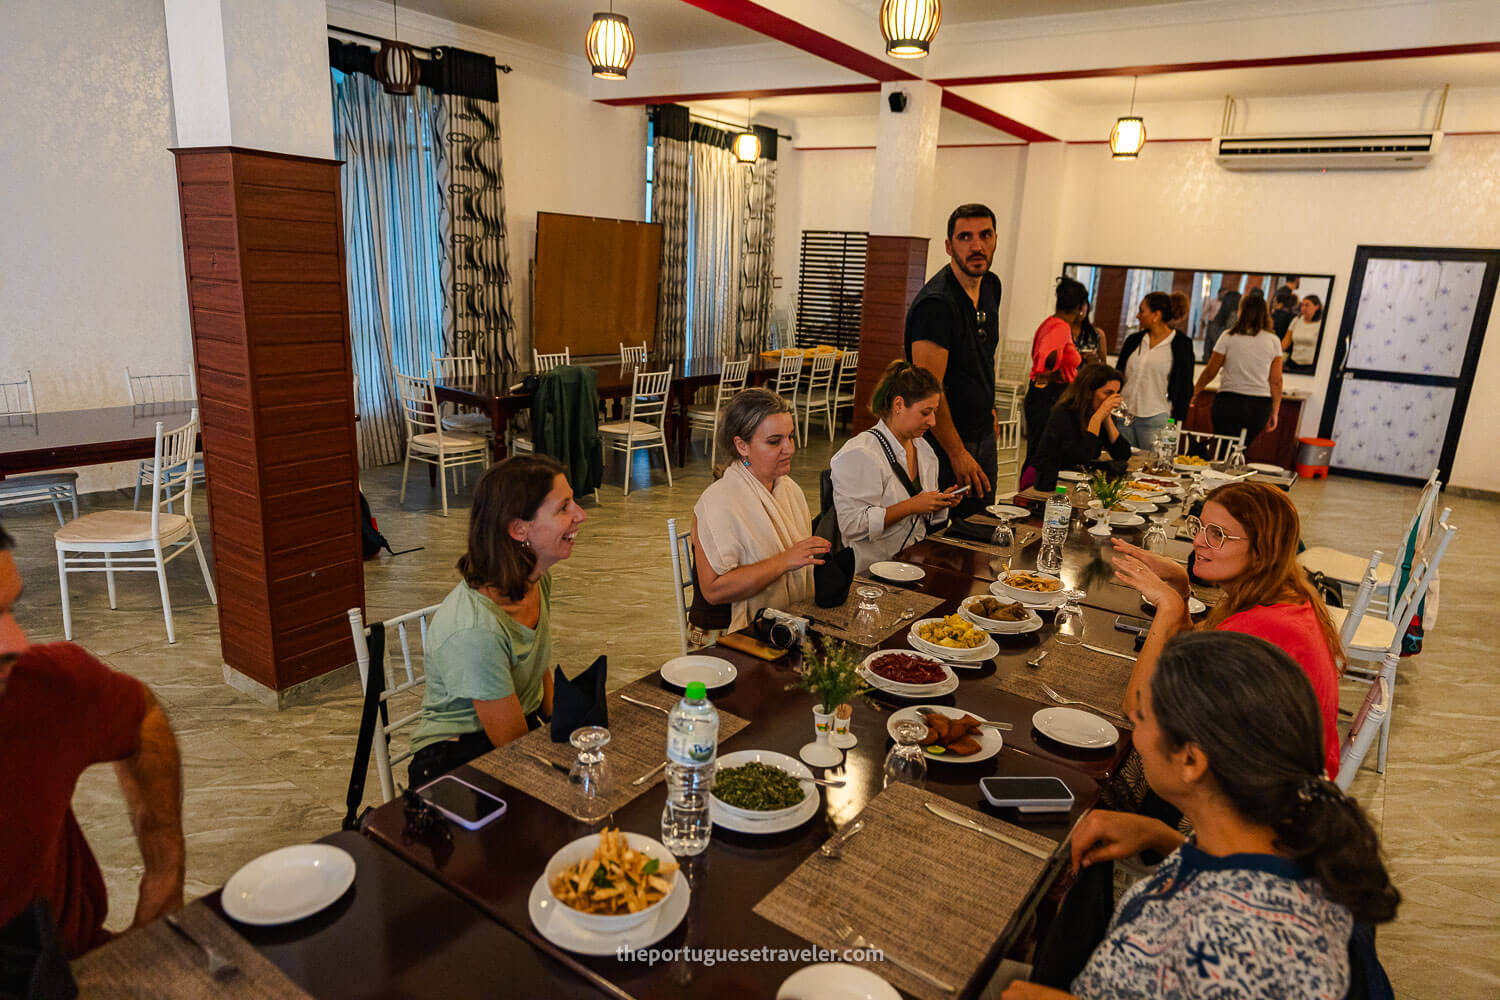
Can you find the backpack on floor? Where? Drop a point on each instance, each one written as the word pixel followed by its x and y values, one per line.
pixel 371 541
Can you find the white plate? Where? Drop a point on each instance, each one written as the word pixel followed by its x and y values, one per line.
pixel 554 922
pixel 1141 506
pixel 977 654
pixel 897 572
pixel 288 884
pixel 712 671
pixel 1075 728
pixel 1007 510
pixel 805 810
pixel 791 765
pixel 1188 467
pixel 990 740
pixel 1071 476
pixel 1030 598
pixel 1195 606
pixel 835 981
pixel 906 690
pixel 1274 470
pixel 1030 623
pixel 1124 519
pixel 909 690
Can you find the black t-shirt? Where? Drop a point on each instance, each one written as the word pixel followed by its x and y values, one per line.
pixel 943 313
pixel 1280 320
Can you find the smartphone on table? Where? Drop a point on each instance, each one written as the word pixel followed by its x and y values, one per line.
pixel 1042 794
pixel 466 805
pixel 1133 624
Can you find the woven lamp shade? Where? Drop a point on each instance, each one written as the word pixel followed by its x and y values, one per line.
pixel 1127 138
pixel 909 26
pixel 396 68
pixel 747 147
pixel 609 45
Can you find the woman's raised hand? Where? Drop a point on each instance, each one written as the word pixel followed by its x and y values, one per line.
pixel 1168 569
pixel 807 552
pixel 1134 572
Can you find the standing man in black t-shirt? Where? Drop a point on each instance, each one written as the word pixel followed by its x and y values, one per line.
pixel 952 330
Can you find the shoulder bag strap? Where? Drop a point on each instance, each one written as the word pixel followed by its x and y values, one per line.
pixel 912 489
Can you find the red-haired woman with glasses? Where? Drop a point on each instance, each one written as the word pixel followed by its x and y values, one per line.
pixel 1248 547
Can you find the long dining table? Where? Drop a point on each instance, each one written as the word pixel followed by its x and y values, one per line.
pixel 498 393
pixel 422 909
pixel 62 439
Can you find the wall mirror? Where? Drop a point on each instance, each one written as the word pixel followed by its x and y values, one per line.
pixel 1213 301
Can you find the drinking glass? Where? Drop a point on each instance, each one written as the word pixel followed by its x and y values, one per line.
pixel 1068 623
pixel 907 762
pixel 1235 463
pixel 589 774
pixel 1004 540
pixel 1124 416
pixel 1156 535
pixel 866 624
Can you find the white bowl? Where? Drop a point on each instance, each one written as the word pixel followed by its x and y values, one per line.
pixel 900 687
pixel 790 765
pixel 1029 596
pixel 996 625
pixel 604 923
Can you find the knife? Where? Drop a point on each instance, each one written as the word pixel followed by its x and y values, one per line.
pixel 550 763
pixel 1035 852
pixel 1109 652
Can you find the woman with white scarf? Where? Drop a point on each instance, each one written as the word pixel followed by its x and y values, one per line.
pixel 752 530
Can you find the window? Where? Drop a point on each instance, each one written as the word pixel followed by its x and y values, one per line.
pixel 830 287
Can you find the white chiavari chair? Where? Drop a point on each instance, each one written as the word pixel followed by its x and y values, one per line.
pixel 633 355
pixel 461 369
pixel 411 679
pixel 158 394
pixel 427 442
pixel 18 409
pixel 817 394
pixel 732 378
pixel 646 426
pixel 843 385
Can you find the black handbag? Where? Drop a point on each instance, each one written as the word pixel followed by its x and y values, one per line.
pixel 832 580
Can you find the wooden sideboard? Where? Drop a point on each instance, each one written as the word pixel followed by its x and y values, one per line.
pixel 1279 447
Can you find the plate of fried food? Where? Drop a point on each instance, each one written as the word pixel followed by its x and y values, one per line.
pixel 908 674
pixel 952 734
pixel 1033 589
pixel 952 638
pixel 1189 463
pixel 1001 617
pixel 607 891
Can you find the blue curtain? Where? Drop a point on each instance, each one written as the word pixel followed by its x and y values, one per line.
pixel 393 203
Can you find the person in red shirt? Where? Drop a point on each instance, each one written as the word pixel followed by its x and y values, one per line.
pixel 61 710
pixel 1054 359
pixel 1248 547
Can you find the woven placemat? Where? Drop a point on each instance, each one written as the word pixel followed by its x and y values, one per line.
pixel 921 889
pixel 1025 535
pixel 637 743
pixel 893 601
pixel 155 961
pixel 1074 672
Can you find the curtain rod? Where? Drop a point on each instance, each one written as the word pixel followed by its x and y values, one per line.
pixel 377 38
pixel 724 124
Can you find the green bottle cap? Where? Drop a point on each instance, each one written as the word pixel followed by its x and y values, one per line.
pixel 697 691
pixel 1062 489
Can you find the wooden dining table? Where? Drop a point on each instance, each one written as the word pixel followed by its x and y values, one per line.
pixel 63 439
pixel 496 393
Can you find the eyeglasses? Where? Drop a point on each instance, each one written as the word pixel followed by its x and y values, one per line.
pixel 1216 536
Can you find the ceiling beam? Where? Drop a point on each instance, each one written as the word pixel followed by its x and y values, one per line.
pixel 994 119
pixel 1325 58
pixel 749 14
pixel 740 95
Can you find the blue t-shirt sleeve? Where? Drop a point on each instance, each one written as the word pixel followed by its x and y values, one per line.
pixel 476 665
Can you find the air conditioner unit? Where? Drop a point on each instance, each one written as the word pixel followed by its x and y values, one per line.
pixel 1336 151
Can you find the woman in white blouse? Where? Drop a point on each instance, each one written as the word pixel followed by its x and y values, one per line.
pixel 885 480
pixel 1249 353
pixel 1301 340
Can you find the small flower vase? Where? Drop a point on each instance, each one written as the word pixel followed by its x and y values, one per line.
pixel 842 737
pixel 821 752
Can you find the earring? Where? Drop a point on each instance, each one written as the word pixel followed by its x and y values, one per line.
pixel 526 544
pixel 747 463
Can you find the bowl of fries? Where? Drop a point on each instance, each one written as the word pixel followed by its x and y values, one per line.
pixel 612 881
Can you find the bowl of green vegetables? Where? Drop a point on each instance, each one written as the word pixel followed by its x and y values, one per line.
pixel 761 784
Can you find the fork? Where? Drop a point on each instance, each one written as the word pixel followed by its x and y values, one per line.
pixel 1074 701
pixel 219 967
pixel 858 941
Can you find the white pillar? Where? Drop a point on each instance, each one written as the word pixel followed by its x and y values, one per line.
pixel 1034 251
pixel 251 73
pixel 905 160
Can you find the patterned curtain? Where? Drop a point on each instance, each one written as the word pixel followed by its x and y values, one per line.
pixel 391 198
pixel 479 314
pixel 757 258
pixel 669 206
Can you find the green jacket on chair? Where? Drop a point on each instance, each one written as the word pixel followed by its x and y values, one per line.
pixel 565 418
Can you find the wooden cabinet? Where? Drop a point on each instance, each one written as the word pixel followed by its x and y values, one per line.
pixel 264 251
pixel 1279 447
pixel 895 270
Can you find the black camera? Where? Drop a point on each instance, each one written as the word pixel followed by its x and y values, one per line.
pixel 776 628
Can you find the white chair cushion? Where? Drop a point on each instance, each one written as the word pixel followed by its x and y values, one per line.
pixel 473 423
pixel 632 428
pixel 1372 636
pixel 451 442
pixel 108 526
pixel 522 444
pixel 701 411
pixel 37 480
pixel 1343 567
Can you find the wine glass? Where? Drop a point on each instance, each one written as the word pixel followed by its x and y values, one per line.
pixel 1123 415
pixel 1235 463
pixel 1156 535
pixel 589 775
pixel 866 624
pixel 1068 622
pixel 907 762
pixel 1004 541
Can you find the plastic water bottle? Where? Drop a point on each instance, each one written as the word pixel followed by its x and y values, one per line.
pixel 692 747
pixel 1054 531
pixel 1167 443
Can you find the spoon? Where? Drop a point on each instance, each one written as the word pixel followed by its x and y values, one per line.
pixel 1036 661
pixel 835 846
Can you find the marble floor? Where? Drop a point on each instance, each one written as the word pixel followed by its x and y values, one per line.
pixel 256 779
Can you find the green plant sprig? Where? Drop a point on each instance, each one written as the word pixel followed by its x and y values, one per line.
pixel 830 670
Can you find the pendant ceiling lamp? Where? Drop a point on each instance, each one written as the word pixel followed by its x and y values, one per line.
pixel 747 143
pixel 1129 133
pixel 909 26
pixel 396 64
pixel 609 45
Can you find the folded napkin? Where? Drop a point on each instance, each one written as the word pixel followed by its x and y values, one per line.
pixel 579 702
pixel 831 580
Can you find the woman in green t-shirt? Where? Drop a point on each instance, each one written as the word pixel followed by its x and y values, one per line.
pixel 489 644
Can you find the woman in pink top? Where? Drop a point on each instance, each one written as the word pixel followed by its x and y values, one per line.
pixel 1248 547
pixel 1054 358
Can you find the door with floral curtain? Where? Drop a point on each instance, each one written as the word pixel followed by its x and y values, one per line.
pixel 1413 324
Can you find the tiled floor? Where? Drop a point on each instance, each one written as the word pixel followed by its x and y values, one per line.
pixel 256 779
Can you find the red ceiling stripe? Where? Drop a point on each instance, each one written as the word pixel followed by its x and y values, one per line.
pixel 994 119
pixel 1198 67
pixel 773 25
pixel 724 95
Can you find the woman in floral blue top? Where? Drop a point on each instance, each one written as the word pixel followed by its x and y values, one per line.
pixel 1261 901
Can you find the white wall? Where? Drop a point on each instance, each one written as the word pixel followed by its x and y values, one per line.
pixel 91 275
